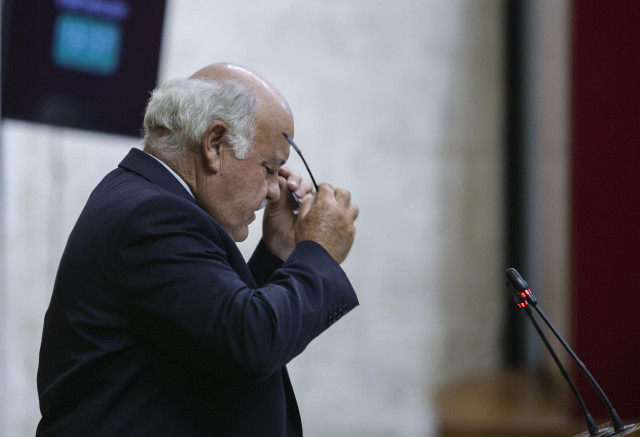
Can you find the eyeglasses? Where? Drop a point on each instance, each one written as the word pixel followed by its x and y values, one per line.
pixel 288 138
pixel 302 157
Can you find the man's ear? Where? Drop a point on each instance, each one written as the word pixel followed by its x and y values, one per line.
pixel 213 142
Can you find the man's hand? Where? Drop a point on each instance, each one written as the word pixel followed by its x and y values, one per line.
pixel 327 218
pixel 278 225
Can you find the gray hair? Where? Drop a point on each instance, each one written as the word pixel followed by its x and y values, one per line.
pixel 180 110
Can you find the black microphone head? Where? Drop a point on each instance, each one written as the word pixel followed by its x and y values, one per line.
pixel 512 292
pixel 516 280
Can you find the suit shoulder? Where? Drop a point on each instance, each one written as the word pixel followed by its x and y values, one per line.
pixel 123 198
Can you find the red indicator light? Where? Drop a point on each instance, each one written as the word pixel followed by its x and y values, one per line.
pixel 524 296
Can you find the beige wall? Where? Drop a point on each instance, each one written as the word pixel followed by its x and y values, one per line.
pixel 400 102
pixel 552 168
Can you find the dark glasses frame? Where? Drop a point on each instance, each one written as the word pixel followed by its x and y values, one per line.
pixel 304 161
pixel 302 157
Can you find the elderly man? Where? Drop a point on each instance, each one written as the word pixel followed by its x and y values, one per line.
pixel 157 326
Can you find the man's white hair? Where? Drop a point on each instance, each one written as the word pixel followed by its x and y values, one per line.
pixel 180 110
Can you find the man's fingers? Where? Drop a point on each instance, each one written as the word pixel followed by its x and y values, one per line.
pixel 343 196
pixel 284 171
pixel 282 184
pixel 325 191
pixel 327 218
pixel 354 211
pixel 306 187
pixel 307 203
pixel 294 180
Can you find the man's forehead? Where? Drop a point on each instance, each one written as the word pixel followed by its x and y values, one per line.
pixel 270 123
pixel 271 151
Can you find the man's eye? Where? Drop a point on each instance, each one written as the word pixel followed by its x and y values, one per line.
pixel 269 171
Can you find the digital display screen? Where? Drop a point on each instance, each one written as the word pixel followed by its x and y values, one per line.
pixel 88 64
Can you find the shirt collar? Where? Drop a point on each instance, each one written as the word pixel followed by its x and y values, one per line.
pixel 182 182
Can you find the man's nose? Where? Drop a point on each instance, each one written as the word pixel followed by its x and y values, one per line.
pixel 273 191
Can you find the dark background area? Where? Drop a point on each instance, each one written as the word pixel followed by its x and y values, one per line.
pixel 605 151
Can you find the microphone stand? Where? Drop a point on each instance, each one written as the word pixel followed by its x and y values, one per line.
pixel 520 286
pixel 594 431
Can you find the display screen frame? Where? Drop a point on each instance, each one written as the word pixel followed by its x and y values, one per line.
pixel 87 64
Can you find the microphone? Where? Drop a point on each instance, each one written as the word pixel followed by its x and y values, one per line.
pixel 594 431
pixel 525 299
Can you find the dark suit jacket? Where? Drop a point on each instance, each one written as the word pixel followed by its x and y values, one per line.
pixel 158 327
